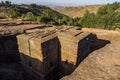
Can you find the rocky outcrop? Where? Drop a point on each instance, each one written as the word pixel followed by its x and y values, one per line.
pixel 102 64
pixel 45 50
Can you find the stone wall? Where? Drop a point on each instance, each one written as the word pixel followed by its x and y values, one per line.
pixel 74 44
pixel 9 49
pixel 10 68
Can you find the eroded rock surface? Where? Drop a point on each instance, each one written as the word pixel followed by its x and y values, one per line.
pixel 102 64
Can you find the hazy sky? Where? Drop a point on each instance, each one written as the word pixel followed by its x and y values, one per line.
pixel 63 2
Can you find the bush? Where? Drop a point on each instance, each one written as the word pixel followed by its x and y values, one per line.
pixel 107 17
pixel 14 13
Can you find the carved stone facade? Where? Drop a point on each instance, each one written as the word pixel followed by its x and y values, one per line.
pixel 44 50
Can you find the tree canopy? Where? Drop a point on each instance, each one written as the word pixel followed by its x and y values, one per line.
pixel 107 17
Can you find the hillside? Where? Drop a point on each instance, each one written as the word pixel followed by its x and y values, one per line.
pixel 77 11
pixel 102 64
pixel 32 12
pixel 104 16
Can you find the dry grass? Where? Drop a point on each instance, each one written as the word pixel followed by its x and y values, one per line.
pixel 77 11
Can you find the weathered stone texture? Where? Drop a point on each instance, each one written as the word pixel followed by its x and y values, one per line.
pixel 43 49
pixel 8 49
pixel 40 51
pixel 74 44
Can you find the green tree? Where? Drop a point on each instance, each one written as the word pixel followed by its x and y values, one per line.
pixel 8 3
pixel 88 20
pixel 59 21
pixel 77 21
pixel 39 19
pixel 29 16
pixel 107 17
pixel 102 10
pixel 14 13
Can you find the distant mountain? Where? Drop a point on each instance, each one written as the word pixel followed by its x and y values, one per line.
pixel 78 11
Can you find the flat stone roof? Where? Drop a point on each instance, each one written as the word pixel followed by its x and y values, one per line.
pixel 17 29
pixel 73 33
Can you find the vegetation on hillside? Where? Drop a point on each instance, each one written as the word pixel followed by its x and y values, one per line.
pixel 76 11
pixel 32 12
pixel 107 16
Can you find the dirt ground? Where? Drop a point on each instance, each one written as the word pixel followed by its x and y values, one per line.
pixel 101 64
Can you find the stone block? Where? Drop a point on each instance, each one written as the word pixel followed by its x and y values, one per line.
pixel 73 43
pixel 41 52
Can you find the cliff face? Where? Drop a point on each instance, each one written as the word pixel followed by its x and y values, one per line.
pixel 10 68
pixel 102 64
